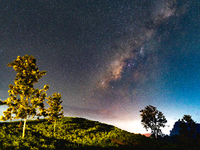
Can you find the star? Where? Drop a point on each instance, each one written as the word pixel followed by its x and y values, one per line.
pixel 108 59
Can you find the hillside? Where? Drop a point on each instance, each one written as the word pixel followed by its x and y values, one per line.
pixel 73 133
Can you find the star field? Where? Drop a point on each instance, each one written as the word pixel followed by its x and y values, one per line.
pixel 108 59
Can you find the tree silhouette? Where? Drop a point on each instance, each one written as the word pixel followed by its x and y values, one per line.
pixel 153 119
pixel 24 100
pixel 187 126
pixel 54 110
pixel 187 129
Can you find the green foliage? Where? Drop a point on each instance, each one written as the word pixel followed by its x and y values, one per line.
pixel 24 100
pixel 54 110
pixel 153 119
pixel 23 97
pixel 2 102
pixel 73 133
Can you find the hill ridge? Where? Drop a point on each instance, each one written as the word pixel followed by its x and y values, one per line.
pixel 71 133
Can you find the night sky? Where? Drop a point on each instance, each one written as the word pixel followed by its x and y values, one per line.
pixel 108 58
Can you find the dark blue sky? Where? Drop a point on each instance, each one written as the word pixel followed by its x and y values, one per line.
pixel 108 59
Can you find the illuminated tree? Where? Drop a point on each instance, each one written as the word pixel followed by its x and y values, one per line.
pixel 2 102
pixel 54 110
pixel 24 100
pixel 153 119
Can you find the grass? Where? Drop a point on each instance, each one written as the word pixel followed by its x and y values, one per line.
pixel 74 133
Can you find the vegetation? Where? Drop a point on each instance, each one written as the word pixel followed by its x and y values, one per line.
pixel 187 126
pixel 188 136
pixel 153 119
pixel 24 100
pixel 54 111
pixel 74 133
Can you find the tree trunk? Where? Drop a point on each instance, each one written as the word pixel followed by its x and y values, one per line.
pixel 23 134
pixel 54 128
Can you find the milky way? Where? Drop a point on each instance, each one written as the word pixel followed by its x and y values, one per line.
pixel 108 59
pixel 135 61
